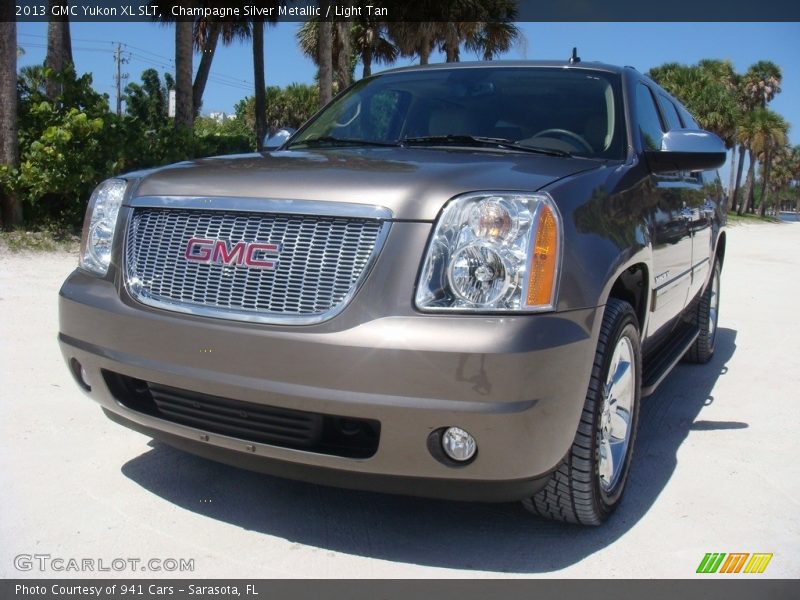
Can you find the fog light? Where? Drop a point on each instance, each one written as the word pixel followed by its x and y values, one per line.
pixel 79 373
pixel 458 444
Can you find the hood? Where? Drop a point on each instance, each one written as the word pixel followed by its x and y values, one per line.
pixel 413 183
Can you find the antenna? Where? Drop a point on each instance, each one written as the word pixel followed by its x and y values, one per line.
pixel 574 59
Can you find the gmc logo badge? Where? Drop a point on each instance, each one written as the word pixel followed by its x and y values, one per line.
pixel 244 254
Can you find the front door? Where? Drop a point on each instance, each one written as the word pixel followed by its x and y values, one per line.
pixel 669 227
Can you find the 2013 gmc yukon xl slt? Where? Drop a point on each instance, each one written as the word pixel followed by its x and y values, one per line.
pixel 454 281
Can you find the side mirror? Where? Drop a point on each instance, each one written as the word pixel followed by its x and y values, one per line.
pixel 687 150
pixel 277 139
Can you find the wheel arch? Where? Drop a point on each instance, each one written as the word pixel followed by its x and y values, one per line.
pixel 632 285
pixel 720 251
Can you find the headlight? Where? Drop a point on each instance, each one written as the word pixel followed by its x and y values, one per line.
pixel 493 252
pixel 99 225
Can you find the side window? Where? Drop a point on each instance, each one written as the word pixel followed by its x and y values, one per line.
pixel 688 120
pixel 670 112
pixel 650 126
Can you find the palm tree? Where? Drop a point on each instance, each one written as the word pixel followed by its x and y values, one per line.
pixel 344 58
pixel 722 71
pixel 757 87
pixel 795 169
pixel 413 38
pixel 775 142
pixel 257 30
pixel 325 61
pixel 287 107
pixel 59 47
pixel 371 44
pixel 762 82
pixel 493 39
pixel 761 131
pixel 256 27
pixel 341 49
pixel 32 79
pixel 319 40
pixel 10 205
pixel 185 36
pixel 451 34
pixel 782 173
pixel 184 111
pixel 489 30
pixel 206 36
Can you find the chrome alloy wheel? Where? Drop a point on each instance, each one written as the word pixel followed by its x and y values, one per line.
pixel 619 393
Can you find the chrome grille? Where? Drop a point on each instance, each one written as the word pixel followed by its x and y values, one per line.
pixel 321 262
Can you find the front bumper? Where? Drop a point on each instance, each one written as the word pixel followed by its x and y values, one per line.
pixel 516 383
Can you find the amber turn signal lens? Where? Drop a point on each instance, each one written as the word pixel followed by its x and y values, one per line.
pixel 543 262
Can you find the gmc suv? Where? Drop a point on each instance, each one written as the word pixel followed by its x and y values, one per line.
pixel 454 281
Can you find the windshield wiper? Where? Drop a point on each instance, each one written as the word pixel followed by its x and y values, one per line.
pixel 480 141
pixel 329 140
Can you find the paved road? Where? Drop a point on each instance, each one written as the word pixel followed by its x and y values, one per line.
pixel 716 469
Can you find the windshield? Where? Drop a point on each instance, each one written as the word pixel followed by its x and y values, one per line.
pixel 565 111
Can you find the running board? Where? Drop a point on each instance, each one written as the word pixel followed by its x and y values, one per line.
pixel 660 365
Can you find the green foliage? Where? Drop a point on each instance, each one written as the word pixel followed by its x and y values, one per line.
pixel 231 136
pixel 147 103
pixel 707 91
pixel 70 144
pixel 63 148
pixel 64 160
pixel 288 107
pixel 736 219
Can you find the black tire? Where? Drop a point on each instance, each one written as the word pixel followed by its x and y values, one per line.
pixel 576 493
pixel 705 318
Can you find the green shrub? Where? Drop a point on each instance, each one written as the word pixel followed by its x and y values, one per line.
pixel 64 148
pixel 69 144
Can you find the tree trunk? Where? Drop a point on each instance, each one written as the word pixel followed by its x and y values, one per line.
pixel 59 48
pixel 10 205
pixel 762 210
pixel 748 185
pixel 451 43
pixel 424 46
pixel 184 113
pixel 738 182
pixel 424 55
pixel 204 68
pixel 344 55
pixel 325 61
pixel 366 57
pixel 261 86
pixel 732 180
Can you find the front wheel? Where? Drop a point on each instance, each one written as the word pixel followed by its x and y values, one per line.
pixel 588 484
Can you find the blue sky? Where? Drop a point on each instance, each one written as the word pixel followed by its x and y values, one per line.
pixel 642 45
